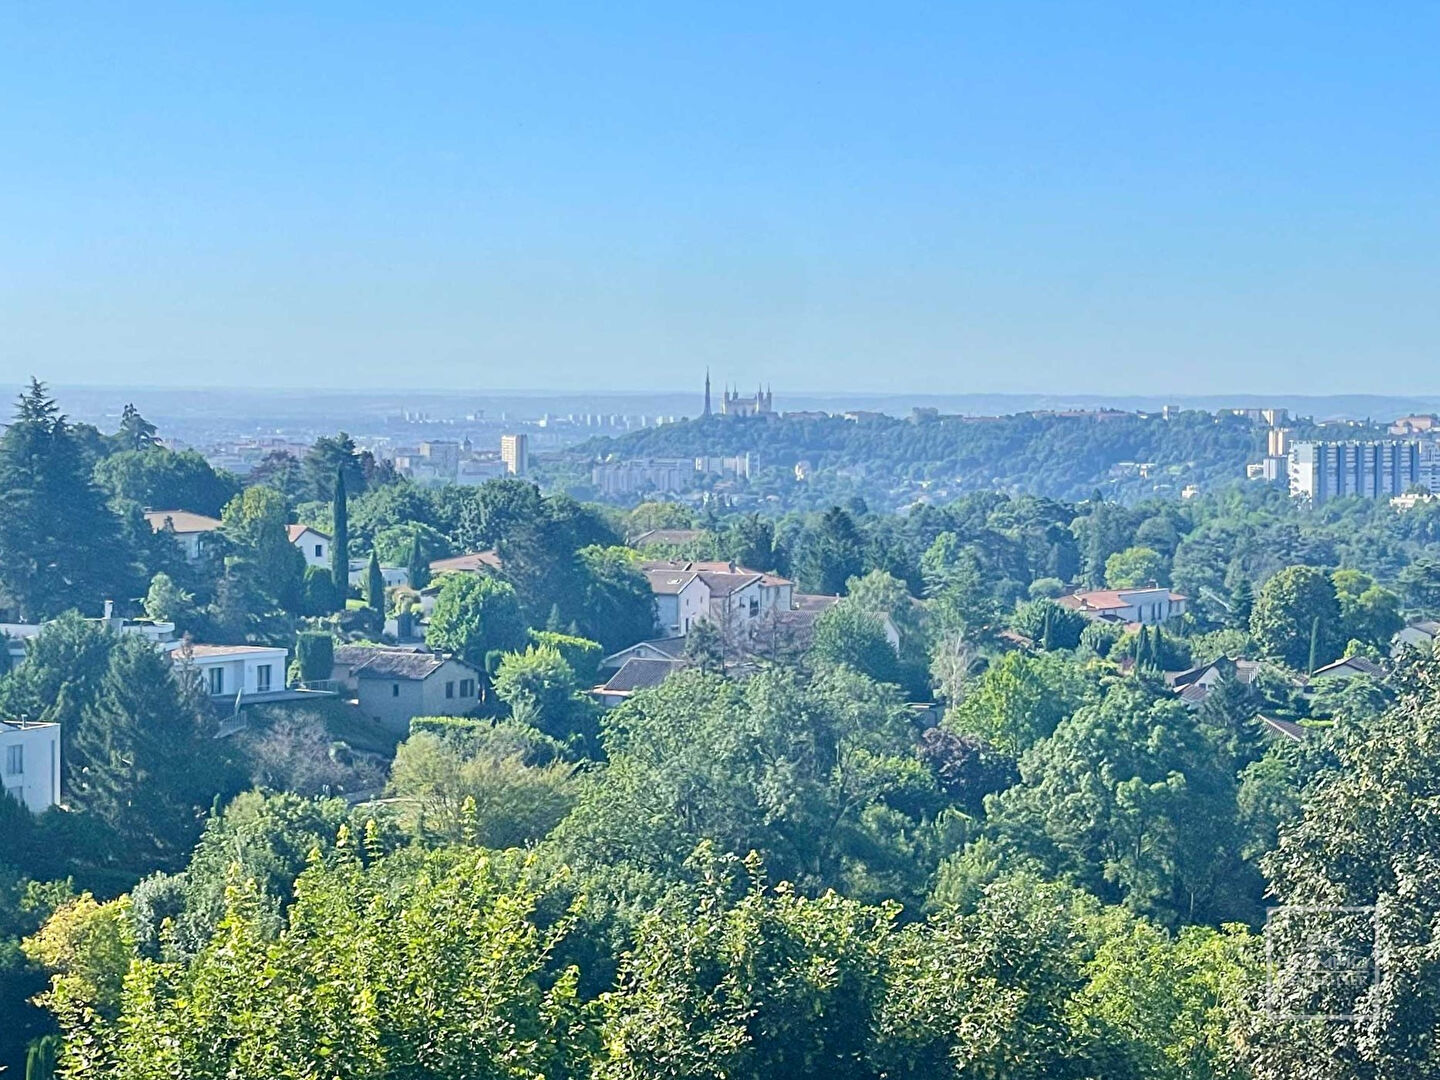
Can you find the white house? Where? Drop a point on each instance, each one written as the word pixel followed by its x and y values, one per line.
pixel 731 596
pixel 393 575
pixel 227 671
pixel 313 544
pixel 680 598
pixel 30 763
pixel 192 531
pixel 1151 605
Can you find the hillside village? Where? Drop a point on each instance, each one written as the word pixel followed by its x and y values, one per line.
pixel 494 665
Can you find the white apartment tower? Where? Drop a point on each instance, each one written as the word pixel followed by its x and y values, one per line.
pixel 515 453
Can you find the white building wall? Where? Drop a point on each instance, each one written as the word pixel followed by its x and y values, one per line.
pixel 30 764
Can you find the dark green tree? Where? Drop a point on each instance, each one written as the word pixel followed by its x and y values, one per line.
pixel 375 585
pixel 60 544
pixel 340 542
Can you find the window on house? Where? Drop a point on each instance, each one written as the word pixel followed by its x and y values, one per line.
pixel 262 678
pixel 467 687
pixel 215 680
pixel 395 689
pixel 14 760
pixel 450 689
pixel 319 551
pixel 754 607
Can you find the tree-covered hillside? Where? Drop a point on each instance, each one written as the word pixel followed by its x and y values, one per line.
pixel 893 461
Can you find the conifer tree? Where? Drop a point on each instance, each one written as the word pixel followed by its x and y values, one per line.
pixel 60 544
pixel 375 585
pixel 340 542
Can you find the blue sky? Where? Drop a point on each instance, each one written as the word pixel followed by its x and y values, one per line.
pixel 1149 198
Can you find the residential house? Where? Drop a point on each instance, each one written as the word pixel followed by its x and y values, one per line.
pixel 193 532
pixel 681 598
pixel 475 562
pixel 635 674
pixel 30 763
pixel 731 596
pixel 394 686
pixel 242 672
pixel 313 544
pixel 1194 685
pixel 1151 605
pixel 393 575
pixel 1349 667
pixel 1418 634
pixel 670 648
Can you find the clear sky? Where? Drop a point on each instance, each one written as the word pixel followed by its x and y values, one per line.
pixel 1151 197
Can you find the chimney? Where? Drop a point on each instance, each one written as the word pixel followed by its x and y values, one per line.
pixel 109 610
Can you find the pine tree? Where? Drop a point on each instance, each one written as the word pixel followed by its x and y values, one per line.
pixel 148 773
pixel 340 542
pixel 375 585
pixel 136 433
pixel 60 544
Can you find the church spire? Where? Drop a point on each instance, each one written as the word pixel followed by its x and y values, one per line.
pixel 707 391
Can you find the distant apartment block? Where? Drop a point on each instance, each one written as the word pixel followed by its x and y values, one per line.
pixel 1320 471
pixel 515 453
pixel 659 475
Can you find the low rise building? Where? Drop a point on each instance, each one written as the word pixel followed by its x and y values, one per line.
pixel 30 763
pixel 193 532
pixel 313 544
pixel 243 672
pixel 393 686
pixel 1149 606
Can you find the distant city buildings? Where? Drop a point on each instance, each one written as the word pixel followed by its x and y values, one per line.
pixel 665 475
pixel 515 453
pixel 1423 424
pixel 1320 471
pixel 445 461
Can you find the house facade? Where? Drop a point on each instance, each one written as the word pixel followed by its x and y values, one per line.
pixel 732 597
pixel 313 544
pixel 30 764
pixel 393 686
pixel 193 532
pixel 229 671
pixel 1150 606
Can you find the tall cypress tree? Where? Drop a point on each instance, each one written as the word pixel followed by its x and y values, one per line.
pixel 375 585
pixel 340 542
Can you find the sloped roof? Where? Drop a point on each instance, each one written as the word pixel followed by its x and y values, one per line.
pixel 673 647
pixel 372 662
pixel 1364 665
pixel 472 562
pixel 639 673
pixel 182 521
pixel 669 582
pixel 713 566
pixel 1110 599
pixel 297 531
